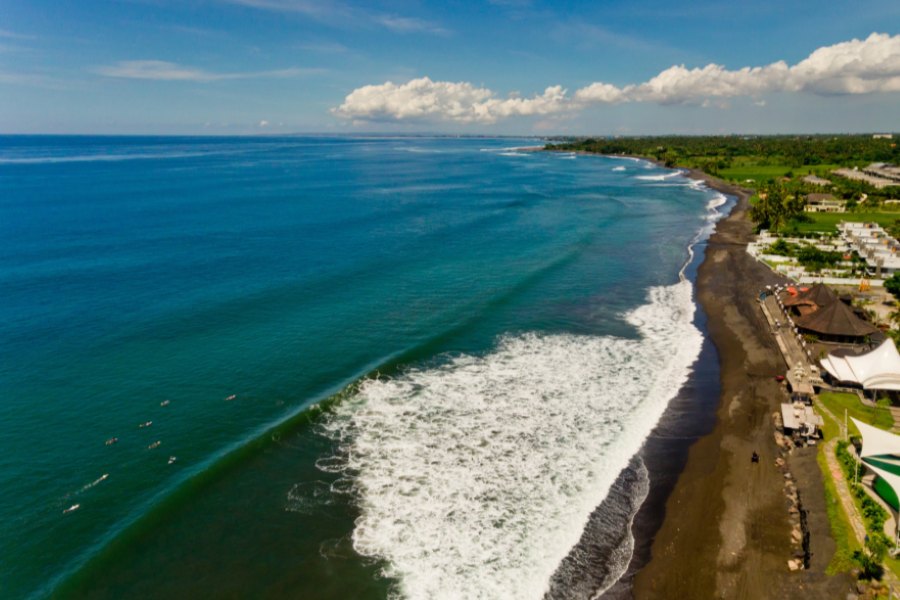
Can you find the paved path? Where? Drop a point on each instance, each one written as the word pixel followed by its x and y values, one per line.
pixel 895 412
pixel 795 355
pixel 846 498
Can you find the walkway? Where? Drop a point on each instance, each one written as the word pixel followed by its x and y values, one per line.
pixel 895 412
pixel 795 356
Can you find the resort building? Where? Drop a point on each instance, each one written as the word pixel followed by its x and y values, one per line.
pixel 873 244
pixel 818 311
pixel 879 175
pixel 816 180
pixel 875 370
pixel 824 203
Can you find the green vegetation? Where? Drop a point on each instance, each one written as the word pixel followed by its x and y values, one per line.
pixel 837 402
pixel 893 285
pixel 810 257
pixel 827 222
pixel 779 162
pixel 750 157
pixel 846 543
pixel 774 206
pixel 869 558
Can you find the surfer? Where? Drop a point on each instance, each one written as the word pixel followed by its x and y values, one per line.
pixel 230 398
pixel 145 424
pixel 112 440
pixel 154 445
pixel 164 403
pixel 172 459
pixel 72 508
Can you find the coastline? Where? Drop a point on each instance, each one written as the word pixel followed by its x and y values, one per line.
pixel 723 530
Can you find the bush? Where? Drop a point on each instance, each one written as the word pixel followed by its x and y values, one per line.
pixel 869 567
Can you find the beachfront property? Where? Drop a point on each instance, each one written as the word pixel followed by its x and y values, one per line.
pixel 841 274
pixel 877 370
pixel 819 313
pixel 874 245
pixel 824 203
pixel 878 175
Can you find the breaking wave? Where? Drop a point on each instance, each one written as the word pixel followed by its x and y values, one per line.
pixel 662 177
pixel 476 477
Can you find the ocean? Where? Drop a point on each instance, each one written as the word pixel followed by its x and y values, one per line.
pixel 338 367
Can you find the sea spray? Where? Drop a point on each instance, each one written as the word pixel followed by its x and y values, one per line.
pixel 476 478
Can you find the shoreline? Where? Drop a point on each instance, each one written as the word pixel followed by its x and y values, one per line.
pixel 722 530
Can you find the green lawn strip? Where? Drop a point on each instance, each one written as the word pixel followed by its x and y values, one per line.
pixel 841 531
pixel 827 222
pixel 837 402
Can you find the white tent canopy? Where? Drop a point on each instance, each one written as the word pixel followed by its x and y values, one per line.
pixel 882 449
pixel 878 369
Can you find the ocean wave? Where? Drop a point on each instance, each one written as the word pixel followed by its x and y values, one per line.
pixel 38 160
pixel 476 478
pixel 661 177
pixel 619 168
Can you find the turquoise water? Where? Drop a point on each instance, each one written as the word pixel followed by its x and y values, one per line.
pixel 244 279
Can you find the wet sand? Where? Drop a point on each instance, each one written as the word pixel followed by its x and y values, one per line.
pixel 725 533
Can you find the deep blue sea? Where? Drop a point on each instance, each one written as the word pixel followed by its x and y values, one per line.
pixel 485 336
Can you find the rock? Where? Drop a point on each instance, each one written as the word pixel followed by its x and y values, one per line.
pixel 795 564
pixel 796 535
pixel 779 462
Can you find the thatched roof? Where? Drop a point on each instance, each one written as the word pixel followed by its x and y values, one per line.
pixel 819 294
pixel 836 319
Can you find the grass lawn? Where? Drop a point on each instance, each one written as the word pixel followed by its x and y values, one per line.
pixel 828 221
pixel 841 532
pixel 744 168
pixel 757 174
pixel 837 519
pixel 837 402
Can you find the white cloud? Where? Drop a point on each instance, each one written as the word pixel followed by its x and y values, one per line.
pixel 340 14
pixel 161 70
pixel 424 99
pixel 408 24
pixel 263 123
pixel 854 67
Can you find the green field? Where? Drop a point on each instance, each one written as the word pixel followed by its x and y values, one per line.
pixel 837 402
pixel 755 175
pixel 827 222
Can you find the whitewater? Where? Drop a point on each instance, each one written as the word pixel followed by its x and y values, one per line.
pixel 475 478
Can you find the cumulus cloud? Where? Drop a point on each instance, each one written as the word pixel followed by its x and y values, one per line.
pixel 423 99
pixel 161 70
pixel 854 67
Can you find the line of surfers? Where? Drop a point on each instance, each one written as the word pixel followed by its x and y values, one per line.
pixel 114 440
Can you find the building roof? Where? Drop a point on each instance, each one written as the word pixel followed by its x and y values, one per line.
pixel 820 198
pixel 818 294
pixel 878 369
pixel 835 319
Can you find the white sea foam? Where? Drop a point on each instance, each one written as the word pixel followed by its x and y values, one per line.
pixel 661 177
pixel 477 477
pixel 619 168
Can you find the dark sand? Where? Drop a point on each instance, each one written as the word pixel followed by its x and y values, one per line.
pixel 726 532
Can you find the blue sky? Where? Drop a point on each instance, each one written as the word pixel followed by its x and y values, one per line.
pixel 500 66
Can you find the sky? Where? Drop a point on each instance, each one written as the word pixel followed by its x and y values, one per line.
pixel 597 67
